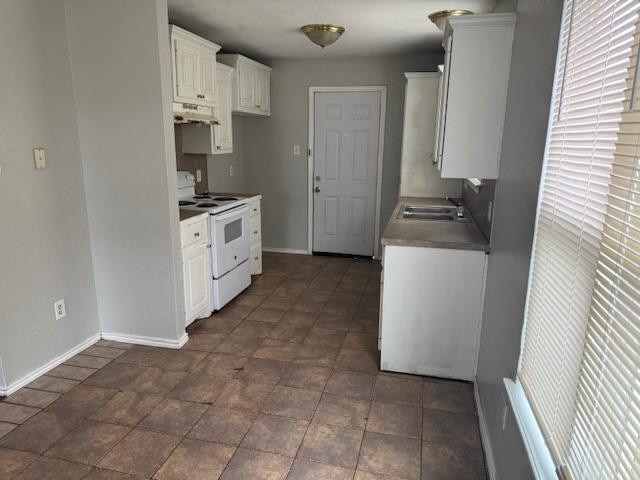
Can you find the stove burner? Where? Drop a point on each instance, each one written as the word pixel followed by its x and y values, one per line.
pixel 202 195
pixel 226 199
pixel 207 205
pixel 184 203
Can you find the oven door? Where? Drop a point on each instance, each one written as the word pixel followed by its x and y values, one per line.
pixel 229 240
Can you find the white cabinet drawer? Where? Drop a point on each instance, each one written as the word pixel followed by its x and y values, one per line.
pixel 256 259
pixel 255 229
pixel 254 208
pixel 194 232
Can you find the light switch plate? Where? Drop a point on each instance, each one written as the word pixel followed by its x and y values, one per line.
pixel 198 175
pixel 39 158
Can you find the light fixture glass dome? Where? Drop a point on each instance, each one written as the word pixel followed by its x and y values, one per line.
pixel 440 18
pixel 322 34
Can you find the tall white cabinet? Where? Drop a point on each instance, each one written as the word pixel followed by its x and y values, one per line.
pixel 473 95
pixel 251 85
pixel 419 176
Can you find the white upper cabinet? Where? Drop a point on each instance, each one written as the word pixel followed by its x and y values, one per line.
pixel 223 131
pixel 194 68
pixel 251 85
pixel 473 94
pixel 213 139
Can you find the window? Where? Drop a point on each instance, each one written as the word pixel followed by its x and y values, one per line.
pixel 580 360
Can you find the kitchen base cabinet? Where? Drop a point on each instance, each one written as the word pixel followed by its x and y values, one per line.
pixel 431 311
pixel 255 224
pixel 196 267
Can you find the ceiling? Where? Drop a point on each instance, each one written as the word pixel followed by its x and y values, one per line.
pixel 270 29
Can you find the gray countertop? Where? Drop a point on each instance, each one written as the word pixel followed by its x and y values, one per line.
pixel 235 194
pixel 430 233
pixel 186 214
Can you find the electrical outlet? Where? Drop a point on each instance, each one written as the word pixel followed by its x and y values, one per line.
pixel 60 309
pixel 39 158
pixel 296 149
pixel 231 170
pixel 490 211
pixel 198 175
pixel 505 410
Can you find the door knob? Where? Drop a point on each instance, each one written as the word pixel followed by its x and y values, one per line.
pixel 317 189
pixel 318 178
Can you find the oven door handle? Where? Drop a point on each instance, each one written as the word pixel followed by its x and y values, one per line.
pixel 231 213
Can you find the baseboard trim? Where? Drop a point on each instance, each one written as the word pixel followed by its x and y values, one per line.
pixel 285 250
pixel 148 341
pixel 31 376
pixel 484 435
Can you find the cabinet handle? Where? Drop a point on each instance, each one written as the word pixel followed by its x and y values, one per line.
pixel 258 106
pixel 255 258
pixel 197 234
pixel 255 232
pixel 217 147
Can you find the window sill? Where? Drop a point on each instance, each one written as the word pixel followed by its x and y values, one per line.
pixel 542 464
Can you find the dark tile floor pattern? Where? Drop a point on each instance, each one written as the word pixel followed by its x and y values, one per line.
pixel 281 384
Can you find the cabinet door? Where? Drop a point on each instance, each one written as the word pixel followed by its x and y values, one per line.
pixel 442 106
pixel 207 70
pixel 196 269
pixel 223 133
pixel 262 90
pixel 246 86
pixel 186 71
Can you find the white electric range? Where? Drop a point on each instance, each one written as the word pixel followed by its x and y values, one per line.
pixel 229 234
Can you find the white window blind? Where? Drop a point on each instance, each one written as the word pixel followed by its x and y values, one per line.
pixel 605 440
pixel 573 212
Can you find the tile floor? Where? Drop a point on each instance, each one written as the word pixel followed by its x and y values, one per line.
pixel 281 384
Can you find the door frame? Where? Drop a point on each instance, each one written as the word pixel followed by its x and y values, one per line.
pixel 310 157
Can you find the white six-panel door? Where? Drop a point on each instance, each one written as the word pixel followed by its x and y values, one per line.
pixel 345 154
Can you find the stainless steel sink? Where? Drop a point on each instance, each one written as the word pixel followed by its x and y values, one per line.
pixel 443 214
pixel 437 210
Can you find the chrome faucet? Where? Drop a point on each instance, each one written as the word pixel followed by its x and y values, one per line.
pixel 459 206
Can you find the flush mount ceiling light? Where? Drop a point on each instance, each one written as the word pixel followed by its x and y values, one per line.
pixel 440 18
pixel 322 34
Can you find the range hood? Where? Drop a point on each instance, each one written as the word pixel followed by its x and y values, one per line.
pixel 189 113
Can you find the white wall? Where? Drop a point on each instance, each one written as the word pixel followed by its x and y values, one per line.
pixel 121 73
pixel 532 67
pixel 281 178
pixel 44 234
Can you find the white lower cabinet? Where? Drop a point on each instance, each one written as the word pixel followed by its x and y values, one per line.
pixel 196 267
pixel 431 311
pixel 255 224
